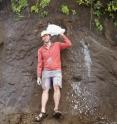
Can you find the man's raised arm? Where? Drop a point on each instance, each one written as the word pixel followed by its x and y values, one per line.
pixel 66 42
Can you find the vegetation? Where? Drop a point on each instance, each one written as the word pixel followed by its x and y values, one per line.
pixel 18 6
pixel 98 25
pixel 39 7
pixel 112 8
pixel 74 12
pixel 84 2
pixel 99 9
pixel 65 9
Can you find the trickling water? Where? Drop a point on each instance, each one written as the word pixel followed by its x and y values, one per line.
pixel 76 88
pixel 77 91
pixel 87 58
pixel 82 105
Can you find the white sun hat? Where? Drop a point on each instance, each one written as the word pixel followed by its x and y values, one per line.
pixel 44 32
pixel 54 29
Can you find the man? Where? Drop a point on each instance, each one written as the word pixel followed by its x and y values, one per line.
pixel 49 70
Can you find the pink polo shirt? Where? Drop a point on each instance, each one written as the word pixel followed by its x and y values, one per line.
pixel 50 58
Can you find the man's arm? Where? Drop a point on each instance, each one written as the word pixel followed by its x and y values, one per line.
pixel 66 44
pixel 39 64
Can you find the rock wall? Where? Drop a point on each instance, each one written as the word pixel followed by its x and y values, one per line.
pixel 89 74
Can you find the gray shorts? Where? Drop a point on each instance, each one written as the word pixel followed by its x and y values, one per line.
pixel 50 77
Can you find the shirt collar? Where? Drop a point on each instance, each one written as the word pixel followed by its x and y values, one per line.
pixel 44 46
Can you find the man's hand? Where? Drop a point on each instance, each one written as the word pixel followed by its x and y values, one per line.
pixel 62 34
pixel 39 81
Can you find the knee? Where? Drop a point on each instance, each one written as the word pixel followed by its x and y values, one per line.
pixel 56 88
pixel 45 91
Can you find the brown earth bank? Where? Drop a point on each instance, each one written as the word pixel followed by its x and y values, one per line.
pixel 89 90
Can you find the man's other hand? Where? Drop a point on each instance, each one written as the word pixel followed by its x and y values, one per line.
pixel 39 81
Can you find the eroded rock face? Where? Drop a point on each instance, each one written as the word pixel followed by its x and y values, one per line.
pixel 89 75
pixel 110 32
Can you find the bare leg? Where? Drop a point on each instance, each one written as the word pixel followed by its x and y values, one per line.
pixel 57 96
pixel 44 100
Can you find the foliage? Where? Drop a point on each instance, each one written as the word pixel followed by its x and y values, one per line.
pixel 39 7
pixel 112 8
pixel 101 9
pixel 35 8
pixel 44 13
pixel 74 12
pixel 84 2
pixel 97 8
pixel 44 3
pixel 98 25
pixel 65 9
pixel 18 6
